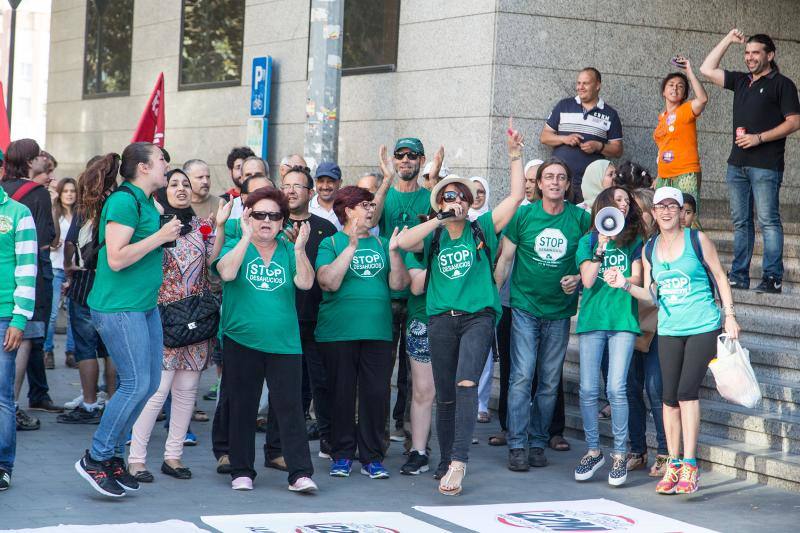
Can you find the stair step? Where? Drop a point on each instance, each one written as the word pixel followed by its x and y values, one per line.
pixel 724 241
pixel 767 303
pixel 791 267
pixel 713 223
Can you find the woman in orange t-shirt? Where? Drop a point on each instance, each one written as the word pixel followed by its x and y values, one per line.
pixel 676 133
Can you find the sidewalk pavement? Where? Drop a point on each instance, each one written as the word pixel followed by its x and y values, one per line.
pixel 47 491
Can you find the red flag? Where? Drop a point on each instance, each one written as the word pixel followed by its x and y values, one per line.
pixel 151 123
pixel 5 130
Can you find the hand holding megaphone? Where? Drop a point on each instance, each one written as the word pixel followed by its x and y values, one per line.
pixel 609 221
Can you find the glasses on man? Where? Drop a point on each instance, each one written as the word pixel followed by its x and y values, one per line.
pixel 554 177
pixel 368 205
pixel 412 156
pixel 263 215
pixel 452 196
pixel 672 208
pixel 296 187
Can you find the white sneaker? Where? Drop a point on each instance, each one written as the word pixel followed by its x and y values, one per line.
pixel 303 484
pixel 102 398
pixel 72 404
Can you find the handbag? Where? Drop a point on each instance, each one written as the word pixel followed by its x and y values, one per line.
pixel 733 374
pixel 192 319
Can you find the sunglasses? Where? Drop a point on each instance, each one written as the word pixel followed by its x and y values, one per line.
pixel 263 215
pixel 452 196
pixel 412 156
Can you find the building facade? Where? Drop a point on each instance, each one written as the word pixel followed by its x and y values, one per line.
pixel 449 72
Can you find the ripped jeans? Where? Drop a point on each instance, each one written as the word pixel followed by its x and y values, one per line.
pixel 458 345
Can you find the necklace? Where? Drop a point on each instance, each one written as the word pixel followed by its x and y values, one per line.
pixel 668 251
pixel 404 215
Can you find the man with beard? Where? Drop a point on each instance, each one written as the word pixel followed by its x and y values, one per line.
pixel 328 179
pixel 235 160
pixel 400 203
pixel 203 203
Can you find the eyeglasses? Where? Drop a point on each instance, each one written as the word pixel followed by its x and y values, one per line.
pixel 263 215
pixel 674 208
pixel 554 177
pixel 452 196
pixel 296 187
pixel 368 205
pixel 412 156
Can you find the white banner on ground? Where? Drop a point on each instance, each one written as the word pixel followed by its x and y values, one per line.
pixel 320 523
pixel 567 516
pixel 168 526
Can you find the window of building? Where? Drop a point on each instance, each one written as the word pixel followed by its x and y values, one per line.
pixel 212 40
pixel 107 56
pixel 370 36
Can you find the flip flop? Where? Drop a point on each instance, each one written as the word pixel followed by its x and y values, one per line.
pixel 498 440
pixel 559 443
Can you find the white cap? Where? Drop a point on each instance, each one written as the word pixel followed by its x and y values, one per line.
pixel 668 193
pixel 443 170
pixel 532 163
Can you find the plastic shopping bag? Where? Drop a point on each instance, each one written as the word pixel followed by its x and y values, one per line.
pixel 736 381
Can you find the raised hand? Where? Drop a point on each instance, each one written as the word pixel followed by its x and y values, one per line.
pixel 170 231
pixel 301 237
pixel 353 241
pixel 394 240
pixel 223 212
pixel 514 138
pixel 736 36
pixel 244 223
pixel 386 163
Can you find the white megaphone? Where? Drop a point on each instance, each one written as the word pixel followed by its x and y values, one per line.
pixel 609 221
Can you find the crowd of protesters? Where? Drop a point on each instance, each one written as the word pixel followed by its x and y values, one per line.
pixel 306 294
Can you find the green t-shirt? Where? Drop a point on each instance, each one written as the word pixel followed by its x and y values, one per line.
pixel 258 308
pixel 361 309
pixel 416 302
pixel 605 308
pixel 134 288
pixel 546 246
pixel 460 279
pixel 403 209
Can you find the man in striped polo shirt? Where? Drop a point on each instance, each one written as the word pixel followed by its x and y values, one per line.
pixel 583 129
pixel 18 252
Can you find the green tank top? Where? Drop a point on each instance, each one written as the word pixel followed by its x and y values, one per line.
pixel 686 300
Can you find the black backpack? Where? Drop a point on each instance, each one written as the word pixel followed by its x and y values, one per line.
pixel 694 238
pixel 477 234
pixel 91 249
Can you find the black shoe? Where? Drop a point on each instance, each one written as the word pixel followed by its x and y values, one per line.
pixel 123 477
pixel 769 285
pixel 738 284
pixel 441 470
pixel 312 429
pixel 5 480
pixel 47 406
pixel 80 415
pixel 324 448
pixel 416 464
pixel 99 475
pixel 517 462
pixel 536 457
pixel 178 473
pixel 26 422
pixel 143 476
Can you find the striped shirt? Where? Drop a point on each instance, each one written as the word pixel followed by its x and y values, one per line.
pixel 18 253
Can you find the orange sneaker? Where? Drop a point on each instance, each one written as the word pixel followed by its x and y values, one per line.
pixel 688 480
pixel 670 480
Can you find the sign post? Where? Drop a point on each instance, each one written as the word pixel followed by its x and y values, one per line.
pixel 257 124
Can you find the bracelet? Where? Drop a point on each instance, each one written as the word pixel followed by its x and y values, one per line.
pixel 516 158
pixel 760 140
pixel 627 286
pixel 728 308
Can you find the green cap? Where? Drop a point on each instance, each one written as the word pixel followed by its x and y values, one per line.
pixel 412 143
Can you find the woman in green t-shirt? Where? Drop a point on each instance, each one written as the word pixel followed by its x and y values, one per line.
pixel 123 303
pixel 462 302
pixel 608 318
pixel 356 270
pixel 261 336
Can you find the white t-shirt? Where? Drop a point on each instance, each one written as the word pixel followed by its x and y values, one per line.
pixel 57 256
pixel 316 209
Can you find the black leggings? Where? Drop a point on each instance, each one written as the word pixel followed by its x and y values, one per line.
pixel 684 361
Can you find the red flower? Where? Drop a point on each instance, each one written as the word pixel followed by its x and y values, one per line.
pixel 205 230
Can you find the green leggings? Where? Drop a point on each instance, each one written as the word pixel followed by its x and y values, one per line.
pixel 686 183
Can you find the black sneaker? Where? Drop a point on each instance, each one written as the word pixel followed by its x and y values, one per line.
pixel 517 462
pixel 441 470
pixel 738 284
pixel 80 415
pixel 416 464
pixel 536 457
pixel 5 480
pixel 769 285
pixel 588 466
pixel 26 422
pixel 123 477
pixel 99 475
pixel 619 470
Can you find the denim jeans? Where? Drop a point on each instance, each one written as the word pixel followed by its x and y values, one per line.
pixel 8 424
pixel 538 346
pixel 135 342
pixel 644 374
pixel 58 280
pixel 87 342
pixel 459 345
pixel 757 188
pixel 620 351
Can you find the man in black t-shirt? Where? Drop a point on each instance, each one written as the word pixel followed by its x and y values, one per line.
pixel 765 111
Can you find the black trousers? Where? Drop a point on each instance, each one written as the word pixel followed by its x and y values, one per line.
pixel 401 404
pixel 246 370
pixel 317 378
pixel 362 368
pixel 219 427
pixel 38 391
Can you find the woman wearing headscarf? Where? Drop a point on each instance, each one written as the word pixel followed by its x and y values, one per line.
pixel 185 268
pixel 599 176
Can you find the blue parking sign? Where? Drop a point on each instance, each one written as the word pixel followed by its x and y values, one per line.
pixel 260 87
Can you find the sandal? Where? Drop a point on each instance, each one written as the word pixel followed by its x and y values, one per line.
pixel 604 413
pixel 660 466
pixel 498 440
pixel 635 461
pixel 200 416
pixel 484 417
pixel 559 443
pixel 447 480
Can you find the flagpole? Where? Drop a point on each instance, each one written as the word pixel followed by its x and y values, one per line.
pixel 12 38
